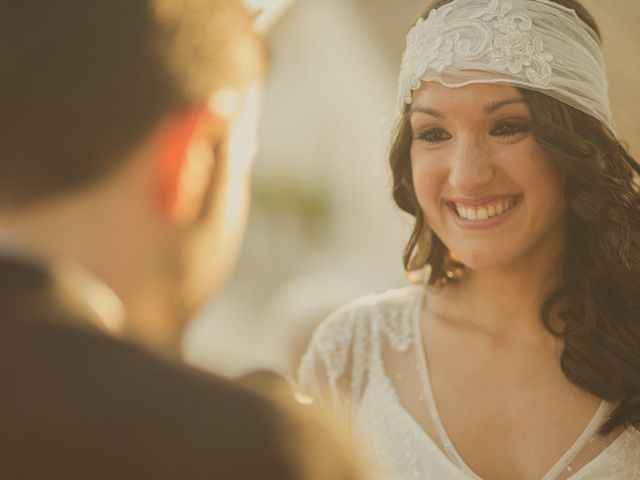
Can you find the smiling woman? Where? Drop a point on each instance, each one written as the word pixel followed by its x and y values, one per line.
pixel 516 355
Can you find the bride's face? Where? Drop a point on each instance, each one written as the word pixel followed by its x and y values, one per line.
pixel 485 186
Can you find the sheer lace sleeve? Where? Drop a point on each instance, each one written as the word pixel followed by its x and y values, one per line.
pixel 335 362
pixel 346 345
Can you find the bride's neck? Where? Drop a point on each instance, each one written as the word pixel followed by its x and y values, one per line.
pixel 504 301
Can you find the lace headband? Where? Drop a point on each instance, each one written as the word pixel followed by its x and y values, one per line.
pixel 534 44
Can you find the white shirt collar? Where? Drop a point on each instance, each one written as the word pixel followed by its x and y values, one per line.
pixel 76 281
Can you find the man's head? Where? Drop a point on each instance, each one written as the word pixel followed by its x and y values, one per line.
pixel 127 130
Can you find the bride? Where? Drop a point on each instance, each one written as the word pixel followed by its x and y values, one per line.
pixel 518 355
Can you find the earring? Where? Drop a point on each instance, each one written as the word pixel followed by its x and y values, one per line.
pixel 453 269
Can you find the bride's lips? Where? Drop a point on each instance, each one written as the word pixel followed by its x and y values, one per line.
pixel 483 213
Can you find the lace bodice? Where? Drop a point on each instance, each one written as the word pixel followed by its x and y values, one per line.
pixel 347 354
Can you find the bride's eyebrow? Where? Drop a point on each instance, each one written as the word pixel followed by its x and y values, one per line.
pixel 427 111
pixel 492 107
pixel 487 109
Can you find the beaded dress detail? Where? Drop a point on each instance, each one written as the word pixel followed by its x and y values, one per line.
pixel 347 354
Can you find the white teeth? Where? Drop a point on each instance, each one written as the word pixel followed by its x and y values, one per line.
pixel 486 212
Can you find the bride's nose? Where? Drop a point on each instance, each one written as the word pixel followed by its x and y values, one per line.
pixel 470 166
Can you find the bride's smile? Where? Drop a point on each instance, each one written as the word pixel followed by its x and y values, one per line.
pixel 482 212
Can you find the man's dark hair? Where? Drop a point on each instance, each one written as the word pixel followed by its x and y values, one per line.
pixel 83 81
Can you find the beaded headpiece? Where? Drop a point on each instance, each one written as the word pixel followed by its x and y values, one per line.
pixel 534 44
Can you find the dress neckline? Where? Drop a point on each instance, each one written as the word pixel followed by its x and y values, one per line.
pixel 450 451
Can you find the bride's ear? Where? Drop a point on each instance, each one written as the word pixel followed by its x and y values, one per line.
pixel 186 143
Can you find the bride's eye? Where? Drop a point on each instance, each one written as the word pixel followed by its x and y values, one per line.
pixel 507 129
pixel 433 135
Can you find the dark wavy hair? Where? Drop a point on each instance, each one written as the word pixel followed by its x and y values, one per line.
pixel 599 301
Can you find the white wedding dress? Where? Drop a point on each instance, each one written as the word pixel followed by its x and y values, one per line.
pixel 356 352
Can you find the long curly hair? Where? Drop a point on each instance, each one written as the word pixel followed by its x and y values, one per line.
pixel 599 301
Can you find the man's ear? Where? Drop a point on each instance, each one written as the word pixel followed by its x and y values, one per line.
pixel 186 157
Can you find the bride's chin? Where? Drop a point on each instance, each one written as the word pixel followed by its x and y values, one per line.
pixel 481 261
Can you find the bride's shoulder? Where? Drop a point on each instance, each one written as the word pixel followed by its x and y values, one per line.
pixel 363 312
pixel 341 342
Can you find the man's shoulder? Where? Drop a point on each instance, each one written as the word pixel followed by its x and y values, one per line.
pixel 61 357
pixel 46 339
pixel 74 397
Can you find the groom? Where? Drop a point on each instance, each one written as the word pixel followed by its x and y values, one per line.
pixel 127 135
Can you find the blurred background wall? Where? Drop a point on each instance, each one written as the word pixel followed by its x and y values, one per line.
pixel 323 228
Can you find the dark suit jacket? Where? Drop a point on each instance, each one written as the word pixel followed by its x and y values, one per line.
pixel 76 403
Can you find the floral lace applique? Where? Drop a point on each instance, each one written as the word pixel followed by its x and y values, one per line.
pixel 516 46
pixel 504 37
